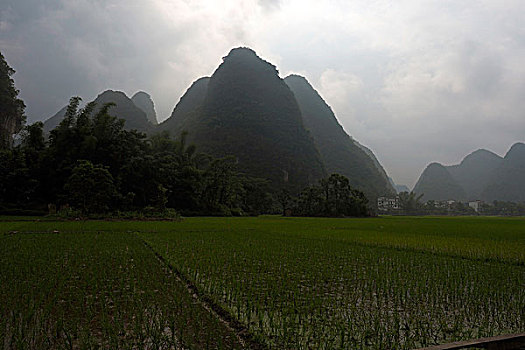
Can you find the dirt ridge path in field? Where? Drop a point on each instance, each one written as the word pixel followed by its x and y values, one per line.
pixel 244 336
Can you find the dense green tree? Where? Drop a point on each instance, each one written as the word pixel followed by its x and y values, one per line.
pixel 161 198
pixel 311 200
pixel 12 116
pixel 410 202
pixel 503 208
pixel 91 163
pixel 17 187
pixel 285 200
pixel 339 152
pixel 256 197
pixel 333 197
pixel 432 207
pixel 90 188
pixel 180 169
pixel 222 186
pixel 97 137
pixel 459 208
pixel 246 110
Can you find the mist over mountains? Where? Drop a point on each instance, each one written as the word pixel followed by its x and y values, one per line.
pixel 189 104
pixel 339 152
pixel 482 175
pixel 284 131
pixel 125 108
pixel 249 112
pixel 143 101
pixel 278 129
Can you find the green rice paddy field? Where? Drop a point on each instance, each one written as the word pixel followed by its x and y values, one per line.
pixel 266 282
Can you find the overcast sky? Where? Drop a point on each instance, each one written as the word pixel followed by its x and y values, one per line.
pixel 416 81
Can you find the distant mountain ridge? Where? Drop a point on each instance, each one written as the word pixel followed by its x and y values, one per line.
pixel 398 188
pixel 339 152
pixel 125 108
pixel 475 172
pixel 245 109
pixel 436 183
pixel 187 109
pixel 508 180
pixel 143 101
pixel 481 175
pixel 279 129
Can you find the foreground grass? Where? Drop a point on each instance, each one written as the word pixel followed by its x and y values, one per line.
pixel 357 283
pixel 96 290
pixel 485 238
pixel 391 282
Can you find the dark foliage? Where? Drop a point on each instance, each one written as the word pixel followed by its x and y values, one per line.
pixel 503 208
pixel 332 197
pixel 124 108
pixel 90 188
pixel 410 203
pixel 339 152
pixel 246 110
pixel 92 164
pixel 12 116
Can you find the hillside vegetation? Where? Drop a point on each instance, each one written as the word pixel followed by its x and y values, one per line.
pixel 279 130
pixel 339 152
pixel 249 112
pixel 135 118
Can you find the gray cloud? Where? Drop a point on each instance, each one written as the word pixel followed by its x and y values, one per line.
pixel 417 82
pixel 270 5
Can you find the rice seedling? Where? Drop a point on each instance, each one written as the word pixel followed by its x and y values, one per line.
pixel 97 290
pixel 285 283
pixel 346 284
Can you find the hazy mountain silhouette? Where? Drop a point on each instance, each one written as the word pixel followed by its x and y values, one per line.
pixel 475 171
pixel 136 118
pixel 398 188
pixel 143 100
pixel 480 175
pixel 401 188
pixel 339 152
pixel 248 111
pixel 508 181
pixel 277 129
pixel 188 110
pixel 374 159
pixel 436 183
pixel 53 122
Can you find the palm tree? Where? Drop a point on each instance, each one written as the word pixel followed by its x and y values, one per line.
pixel 410 202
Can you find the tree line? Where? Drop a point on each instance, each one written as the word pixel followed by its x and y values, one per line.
pixel 12 116
pixel 90 164
pixel 410 204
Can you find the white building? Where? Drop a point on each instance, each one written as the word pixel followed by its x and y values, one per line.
pixel 386 204
pixel 476 205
